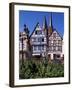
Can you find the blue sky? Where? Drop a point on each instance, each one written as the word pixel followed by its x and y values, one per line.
pixel 30 18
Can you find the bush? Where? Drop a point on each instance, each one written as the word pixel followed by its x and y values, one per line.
pixel 40 69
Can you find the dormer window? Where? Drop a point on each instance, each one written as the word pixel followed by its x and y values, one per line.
pixel 35 32
pixel 38 32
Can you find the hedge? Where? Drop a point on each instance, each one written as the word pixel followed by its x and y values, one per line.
pixel 40 69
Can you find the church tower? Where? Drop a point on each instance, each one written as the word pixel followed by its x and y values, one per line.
pixel 45 30
pixel 44 24
pixel 45 27
pixel 50 28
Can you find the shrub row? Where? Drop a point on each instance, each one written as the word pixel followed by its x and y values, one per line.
pixel 40 69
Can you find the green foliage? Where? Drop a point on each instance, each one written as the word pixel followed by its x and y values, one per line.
pixel 40 69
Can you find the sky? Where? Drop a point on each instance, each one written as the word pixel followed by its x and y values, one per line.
pixel 30 18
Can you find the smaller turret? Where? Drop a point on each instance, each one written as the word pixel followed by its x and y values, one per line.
pixel 26 30
pixel 24 43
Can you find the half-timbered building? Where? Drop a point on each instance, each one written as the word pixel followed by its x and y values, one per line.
pixel 55 46
pixel 24 44
pixel 44 41
pixel 38 41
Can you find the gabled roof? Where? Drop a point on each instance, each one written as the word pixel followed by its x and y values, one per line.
pixel 57 32
pixel 34 28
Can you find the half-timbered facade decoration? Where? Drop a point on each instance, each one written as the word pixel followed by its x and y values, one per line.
pixel 55 46
pixel 38 41
pixel 44 41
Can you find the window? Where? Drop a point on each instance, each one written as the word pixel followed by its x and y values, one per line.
pixel 59 48
pixel 50 43
pixel 20 35
pixel 54 35
pixel 50 48
pixel 34 47
pixel 54 48
pixel 25 38
pixel 42 47
pixel 35 32
pixel 54 42
pixel 42 39
pixel 38 32
pixel 58 56
pixel 39 47
pixel 59 42
pixel 39 39
pixel 34 39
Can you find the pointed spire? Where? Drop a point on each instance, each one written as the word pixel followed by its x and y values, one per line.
pixel 50 28
pixel 44 23
pixel 50 23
